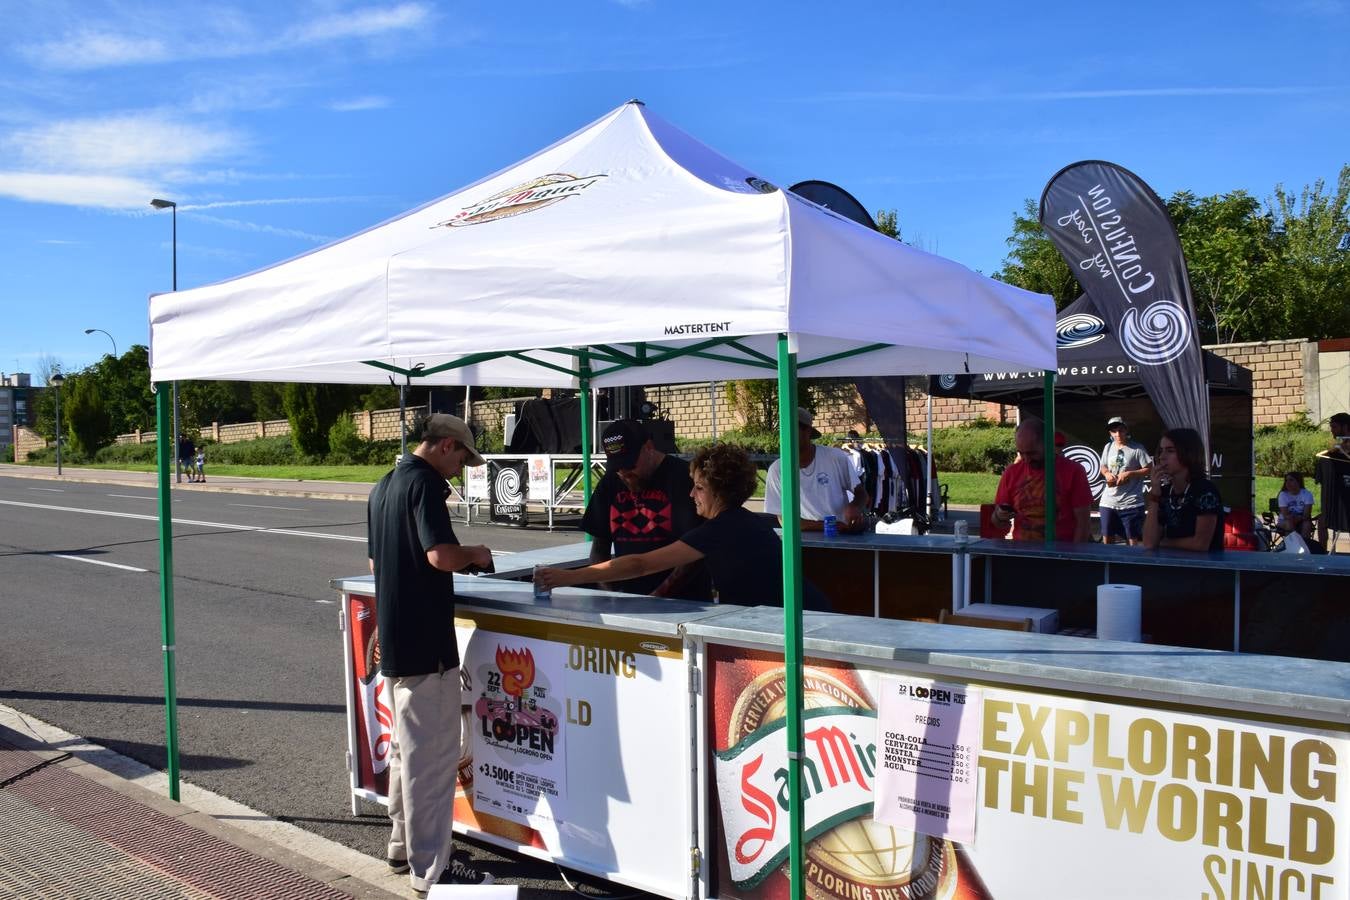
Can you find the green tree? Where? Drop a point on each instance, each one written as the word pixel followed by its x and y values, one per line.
pixel 268 402
pixel 85 416
pixel 888 223
pixel 1232 262
pixel 1314 277
pixel 1033 263
pixel 311 410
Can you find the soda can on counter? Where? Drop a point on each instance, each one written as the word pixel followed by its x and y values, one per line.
pixel 540 591
pixel 831 526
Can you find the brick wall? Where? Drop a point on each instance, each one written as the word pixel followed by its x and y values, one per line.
pixel 1278 384
pixel 26 440
pixel 1280 391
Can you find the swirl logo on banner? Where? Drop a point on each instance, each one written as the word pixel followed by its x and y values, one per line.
pixel 1158 335
pixel 1079 330
pixel 947 382
pixel 1122 246
pixel 506 492
pixel 507 484
pixel 1087 458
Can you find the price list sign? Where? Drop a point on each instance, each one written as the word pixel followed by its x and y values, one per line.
pixel 928 734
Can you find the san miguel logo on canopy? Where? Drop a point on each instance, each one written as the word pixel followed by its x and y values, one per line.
pixel 528 197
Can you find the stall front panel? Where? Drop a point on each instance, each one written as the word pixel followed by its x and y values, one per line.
pixel 1021 787
pixel 575 724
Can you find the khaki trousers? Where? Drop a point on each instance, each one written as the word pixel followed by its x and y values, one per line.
pixel 422 769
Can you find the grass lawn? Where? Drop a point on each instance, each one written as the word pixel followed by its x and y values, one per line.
pixel 963 488
pixel 974 488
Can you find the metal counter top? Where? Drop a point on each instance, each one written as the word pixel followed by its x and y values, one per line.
pixel 578 606
pixel 1271 685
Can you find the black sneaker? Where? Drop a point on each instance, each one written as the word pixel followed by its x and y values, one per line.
pixel 459 872
pixel 397 866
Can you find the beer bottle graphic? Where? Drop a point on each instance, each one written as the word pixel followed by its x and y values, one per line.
pixel 1119 464
pixel 857 857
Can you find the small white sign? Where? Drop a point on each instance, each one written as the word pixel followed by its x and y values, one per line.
pixel 541 482
pixel 929 734
pixel 476 482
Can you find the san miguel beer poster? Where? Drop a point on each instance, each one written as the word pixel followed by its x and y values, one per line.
pixel 1076 797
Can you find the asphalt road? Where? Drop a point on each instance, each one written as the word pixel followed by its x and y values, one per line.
pixel 260 672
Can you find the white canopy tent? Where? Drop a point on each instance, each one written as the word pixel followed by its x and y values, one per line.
pixel 627 253
pixel 628 231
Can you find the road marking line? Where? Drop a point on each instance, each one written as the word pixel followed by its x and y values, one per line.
pixel 51 490
pixel 97 562
pixel 226 525
pixel 133 496
pixel 260 506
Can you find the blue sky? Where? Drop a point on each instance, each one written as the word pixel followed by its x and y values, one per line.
pixel 278 127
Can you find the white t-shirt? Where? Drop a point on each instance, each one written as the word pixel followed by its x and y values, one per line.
pixel 1298 504
pixel 827 484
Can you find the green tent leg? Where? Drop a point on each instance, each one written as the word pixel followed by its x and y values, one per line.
pixel 792 605
pixel 164 452
pixel 1050 454
pixel 584 380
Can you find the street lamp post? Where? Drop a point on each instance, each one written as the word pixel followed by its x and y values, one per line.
pixel 169 204
pixel 56 380
pixel 109 336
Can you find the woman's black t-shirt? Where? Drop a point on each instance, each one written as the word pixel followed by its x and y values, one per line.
pixel 1200 498
pixel 745 557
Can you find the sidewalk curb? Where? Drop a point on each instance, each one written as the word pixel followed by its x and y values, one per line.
pixel 346 870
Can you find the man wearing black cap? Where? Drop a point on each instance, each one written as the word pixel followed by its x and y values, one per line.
pixel 413 554
pixel 1125 465
pixel 643 503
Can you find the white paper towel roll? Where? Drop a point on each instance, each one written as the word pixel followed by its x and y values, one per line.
pixel 1118 612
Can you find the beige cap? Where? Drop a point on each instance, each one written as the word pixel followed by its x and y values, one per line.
pixel 441 425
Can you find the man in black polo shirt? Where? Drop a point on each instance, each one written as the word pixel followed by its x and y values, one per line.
pixel 414 553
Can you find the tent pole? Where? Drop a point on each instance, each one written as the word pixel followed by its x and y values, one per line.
pixel 584 382
pixel 1051 454
pixel 164 451
pixel 928 474
pixel 790 472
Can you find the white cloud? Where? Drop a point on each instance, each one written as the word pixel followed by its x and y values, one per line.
pixel 361 23
pixel 222 34
pixel 256 228
pixel 103 191
pixel 136 142
pixel 359 104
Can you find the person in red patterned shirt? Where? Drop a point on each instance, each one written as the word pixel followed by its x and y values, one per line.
pixel 1021 491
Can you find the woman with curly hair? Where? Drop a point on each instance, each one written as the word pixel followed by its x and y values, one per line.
pixel 1185 511
pixel 742 550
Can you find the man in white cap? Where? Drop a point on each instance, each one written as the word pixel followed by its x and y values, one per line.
pixel 1125 465
pixel 414 554
pixel 831 484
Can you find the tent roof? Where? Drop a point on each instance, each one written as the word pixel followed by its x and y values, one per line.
pixel 630 237
pixel 1091 363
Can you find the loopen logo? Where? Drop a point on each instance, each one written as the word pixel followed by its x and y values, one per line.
pixel 946 382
